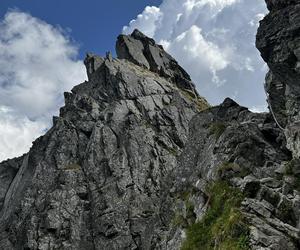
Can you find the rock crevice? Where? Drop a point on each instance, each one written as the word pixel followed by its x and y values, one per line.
pixel 130 161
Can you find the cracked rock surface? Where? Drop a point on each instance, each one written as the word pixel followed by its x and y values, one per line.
pixel 100 177
pixel 136 145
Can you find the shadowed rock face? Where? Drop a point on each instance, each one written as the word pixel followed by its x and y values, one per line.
pixel 135 146
pixel 280 4
pixel 8 170
pixel 278 40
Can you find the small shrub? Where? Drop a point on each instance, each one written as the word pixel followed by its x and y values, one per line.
pixel 217 129
pixel 179 220
pixel 223 226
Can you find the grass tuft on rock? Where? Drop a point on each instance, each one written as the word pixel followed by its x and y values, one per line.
pixel 199 101
pixel 223 226
pixel 217 129
pixel 229 169
pixel 73 166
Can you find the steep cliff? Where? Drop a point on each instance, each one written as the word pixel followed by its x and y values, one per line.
pixel 278 40
pixel 137 159
pixel 100 178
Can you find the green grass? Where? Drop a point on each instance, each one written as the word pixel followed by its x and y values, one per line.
pixel 179 220
pixel 217 129
pixel 199 101
pixel 223 226
pixel 183 221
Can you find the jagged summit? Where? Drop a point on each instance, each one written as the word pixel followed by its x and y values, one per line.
pixel 143 51
pixel 138 160
pixel 100 177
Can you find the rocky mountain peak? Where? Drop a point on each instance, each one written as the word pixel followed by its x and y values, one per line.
pixel 143 51
pixel 138 160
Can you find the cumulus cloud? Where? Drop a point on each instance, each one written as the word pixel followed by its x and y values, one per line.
pixel 259 109
pixel 214 40
pixel 148 19
pixel 17 132
pixel 37 64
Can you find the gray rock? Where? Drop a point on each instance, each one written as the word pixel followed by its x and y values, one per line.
pixel 128 161
pixel 143 51
pixel 280 4
pixel 100 177
pixel 278 42
pixel 8 171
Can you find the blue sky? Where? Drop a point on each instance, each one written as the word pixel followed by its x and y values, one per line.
pixel 43 43
pixel 93 24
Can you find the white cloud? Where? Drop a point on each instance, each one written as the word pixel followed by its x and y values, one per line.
pixel 149 19
pixel 37 64
pixel 191 46
pixel 214 41
pixel 17 133
pixel 259 109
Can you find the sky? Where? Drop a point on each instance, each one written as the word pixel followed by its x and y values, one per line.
pixel 43 43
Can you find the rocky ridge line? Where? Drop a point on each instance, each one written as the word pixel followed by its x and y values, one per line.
pixel 128 162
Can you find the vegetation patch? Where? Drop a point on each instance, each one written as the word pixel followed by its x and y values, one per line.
pixel 172 151
pixel 200 102
pixel 190 217
pixel 73 166
pixel 230 169
pixel 217 129
pixel 170 148
pixel 289 168
pixel 292 170
pixel 179 220
pixel 286 212
pixel 292 167
pixel 223 226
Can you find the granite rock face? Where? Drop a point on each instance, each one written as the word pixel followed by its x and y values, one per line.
pixel 143 51
pixel 100 177
pixel 278 40
pixel 280 4
pixel 250 153
pixel 136 145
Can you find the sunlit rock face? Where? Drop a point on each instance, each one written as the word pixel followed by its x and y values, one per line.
pixel 101 177
pixel 131 159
